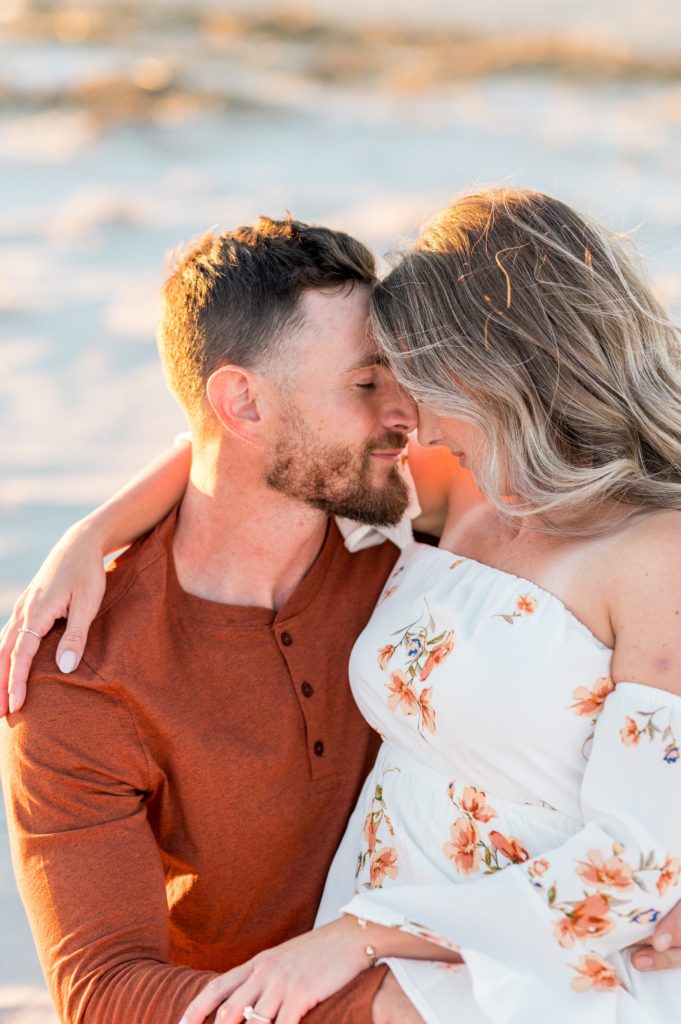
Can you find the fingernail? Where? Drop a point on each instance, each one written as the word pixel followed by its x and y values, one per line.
pixel 12 704
pixel 185 1020
pixel 662 941
pixel 644 962
pixel 67 663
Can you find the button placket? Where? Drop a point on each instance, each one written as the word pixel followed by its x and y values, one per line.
pixel 294 656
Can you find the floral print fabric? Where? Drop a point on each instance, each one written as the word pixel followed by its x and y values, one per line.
pixel 523 808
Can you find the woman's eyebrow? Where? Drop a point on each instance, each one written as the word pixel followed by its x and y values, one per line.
pixel 367 362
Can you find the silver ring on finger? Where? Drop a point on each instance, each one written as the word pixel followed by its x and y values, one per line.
pixel 250 1014
pixel 27 629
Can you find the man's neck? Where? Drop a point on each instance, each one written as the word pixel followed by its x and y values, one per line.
pixel 239 542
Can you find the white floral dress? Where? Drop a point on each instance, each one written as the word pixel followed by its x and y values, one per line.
pixel 522 809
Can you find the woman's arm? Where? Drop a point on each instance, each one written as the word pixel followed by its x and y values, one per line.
pixel 70 583
pixel 143 501
pixel 286 982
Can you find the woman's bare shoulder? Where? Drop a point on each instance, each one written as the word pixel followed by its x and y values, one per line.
pixel 647 549
pixel 644 596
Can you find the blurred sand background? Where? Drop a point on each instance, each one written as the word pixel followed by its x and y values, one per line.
pixel 126 127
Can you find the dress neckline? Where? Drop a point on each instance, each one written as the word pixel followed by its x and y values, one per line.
pixel 521 579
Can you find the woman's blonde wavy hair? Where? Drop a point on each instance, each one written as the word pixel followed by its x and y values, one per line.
pixel 517 313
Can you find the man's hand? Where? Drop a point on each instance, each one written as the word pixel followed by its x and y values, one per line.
pixel 665 948
pixel 391 1006
pixel 69 585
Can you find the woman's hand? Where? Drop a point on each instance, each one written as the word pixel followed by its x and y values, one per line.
pixel 285 983
pixel 69 585
pixel 71 581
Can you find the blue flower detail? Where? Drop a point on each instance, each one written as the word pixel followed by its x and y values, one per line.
pixel 415 647
pixel 649 916
pixel 672 754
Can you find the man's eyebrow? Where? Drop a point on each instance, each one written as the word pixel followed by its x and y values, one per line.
pixel 368 361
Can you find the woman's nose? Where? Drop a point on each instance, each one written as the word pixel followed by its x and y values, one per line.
pixel 428 433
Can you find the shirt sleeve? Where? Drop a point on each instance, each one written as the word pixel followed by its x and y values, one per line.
pixel 76 780
pixel 541 937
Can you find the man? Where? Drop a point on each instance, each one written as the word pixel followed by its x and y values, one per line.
pixel 175 803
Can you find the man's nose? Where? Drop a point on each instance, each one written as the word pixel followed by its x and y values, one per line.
pixel 400 414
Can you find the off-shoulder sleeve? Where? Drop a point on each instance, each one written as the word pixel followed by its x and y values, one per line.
pixel 541 938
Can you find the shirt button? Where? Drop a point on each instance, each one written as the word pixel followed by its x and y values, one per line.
pixel 318 748
pixel 286 639
pixel 307 689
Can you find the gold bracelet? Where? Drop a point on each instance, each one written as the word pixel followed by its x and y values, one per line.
pixel 369 950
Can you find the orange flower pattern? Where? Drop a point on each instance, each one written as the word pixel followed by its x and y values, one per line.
pixel 512 849
pixel 382 863
pixel 427 711
pixel 589 702
pixel 384 656
pixel 392 587
pixel 423 648
pixel 402 694
pixel 602 874
pixel 536 870
pixel 669 875
pixel 474 803
pixel 594 973
pixel 525 604
pixel 466 847
pixel 437 655
pixel 631 732
pixel 421 932
pixel 612 878
pixel 587 919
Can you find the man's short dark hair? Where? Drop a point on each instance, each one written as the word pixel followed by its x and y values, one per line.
pixel 231 297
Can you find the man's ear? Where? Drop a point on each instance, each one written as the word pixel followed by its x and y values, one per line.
pixel 233 394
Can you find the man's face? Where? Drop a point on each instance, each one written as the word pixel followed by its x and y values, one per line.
pixel 340 422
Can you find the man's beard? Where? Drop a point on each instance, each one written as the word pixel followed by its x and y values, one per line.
pixel 336 478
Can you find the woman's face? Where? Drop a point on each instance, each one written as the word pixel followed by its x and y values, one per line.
pixel 463 438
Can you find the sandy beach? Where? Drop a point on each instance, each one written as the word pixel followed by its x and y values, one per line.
pixel 124 130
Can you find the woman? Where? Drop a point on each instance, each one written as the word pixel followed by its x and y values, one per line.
pixel 524 675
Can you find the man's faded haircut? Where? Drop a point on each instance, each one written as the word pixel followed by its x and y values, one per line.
pixel 232 298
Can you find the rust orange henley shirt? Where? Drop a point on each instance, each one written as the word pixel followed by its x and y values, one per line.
pixel 175 803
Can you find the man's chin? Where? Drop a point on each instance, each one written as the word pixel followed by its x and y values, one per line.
pixel 368 491
pixel 385 507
